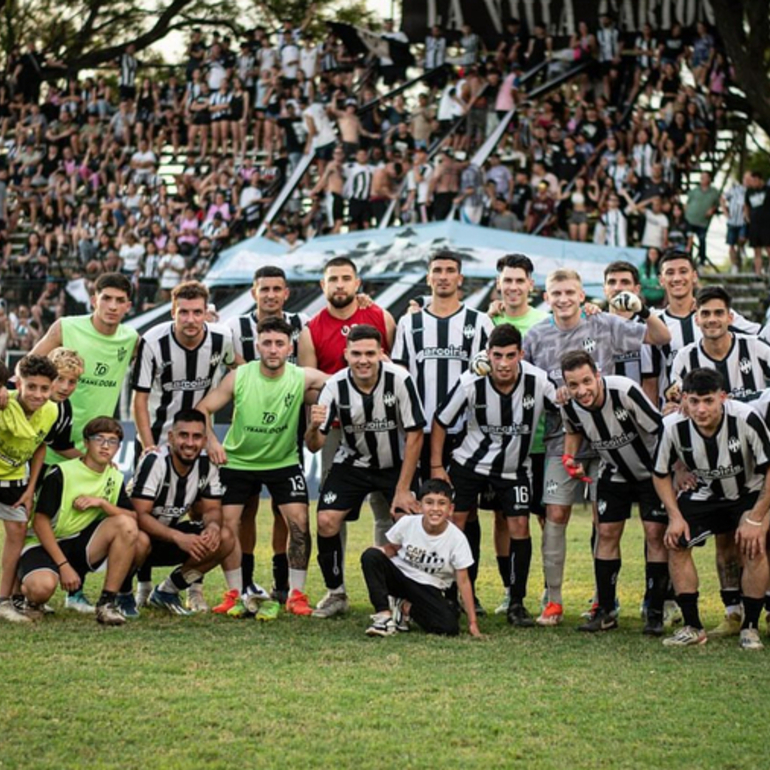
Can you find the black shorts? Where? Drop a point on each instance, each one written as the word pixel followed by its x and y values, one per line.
pixel 75 550
pixel 713 517
pixel 489 501
pixel 166 554
pixel 325 152
pixel 345 488
pixel 338 207
pixel 285 485
pixel 451 442
pixel 513 495
pixel 359 211
pixel 11 493
pixel 615 499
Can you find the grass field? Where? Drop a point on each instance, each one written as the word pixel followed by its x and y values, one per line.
pixel 208 692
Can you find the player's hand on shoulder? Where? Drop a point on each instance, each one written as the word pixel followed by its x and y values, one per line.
pixel 364 300
pixel 562 395
pixel 590 308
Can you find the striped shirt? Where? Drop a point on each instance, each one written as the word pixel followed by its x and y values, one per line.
pixel 623 431
pixel 736 200
pixel 59 438
pixel 615 228
pixel 684 331
pixel 745 369
pixel 500 426
pixel 128 67
pixel 372 425
pixel 220 105
pixel 436 351
pixel 173 495
pixel 244 334
pixel 608 39
pixel 178 378
pixel 727 465
pixel 358 181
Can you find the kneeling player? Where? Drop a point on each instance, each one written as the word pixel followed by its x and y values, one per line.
pixel 501 412
pixel 173 482
pixel 725 445
pixel 425 555
pixel 622 426
pixel 83 517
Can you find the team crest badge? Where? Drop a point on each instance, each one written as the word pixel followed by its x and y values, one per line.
pixel 589 345
pixel 329 497
pixel 601 506
pixel 734 445
pixel 744 365
pixel 621 415
pixel 469 332
pixel 389 399
pixel 528 402
pixel 122 353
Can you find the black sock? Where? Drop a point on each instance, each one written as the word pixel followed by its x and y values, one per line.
pixel 247 569
pixel 106 598
pixel 730 597
pixel 504 568
pixel 606 573
pixel 144 573
pixel 688 603
pixel 330 560
pixel 178 580
pixel 128 583
pixel 521 558
pixel 593 539
pixel 670 592
pixel 767 602
pixel 473 533
pixel 656 575
pixel 281 571
pixel 752 609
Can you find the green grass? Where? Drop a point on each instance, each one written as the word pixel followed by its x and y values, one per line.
pixel 208 692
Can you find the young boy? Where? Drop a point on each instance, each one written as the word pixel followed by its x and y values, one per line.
pixel 424 556
pixel 24 423
pixel 82 517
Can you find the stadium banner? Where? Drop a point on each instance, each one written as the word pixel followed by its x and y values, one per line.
pixel 488 17
pixel 388 254
pixel 363 41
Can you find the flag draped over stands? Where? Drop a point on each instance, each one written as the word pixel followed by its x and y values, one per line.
pixel 389 253
pixel 362 41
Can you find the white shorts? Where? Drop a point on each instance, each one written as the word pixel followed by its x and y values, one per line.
pixel 559 488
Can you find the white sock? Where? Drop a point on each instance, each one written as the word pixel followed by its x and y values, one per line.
pixel 168 586
pixel 297 578
pixel 340 590
pixel 144 587
pixel 554 555
pixel 234 579
pixel 195 588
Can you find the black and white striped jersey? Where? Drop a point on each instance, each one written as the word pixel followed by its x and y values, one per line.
pixel 623 431
pixel 436 351
pixel 244 332
pixel 220 105
pixel 727 465
pixel 128 67
pixel 59 438
pixel 177 378
pixel 173 495
pixel 685 331
pixel 372 425
pixel 358 181
pixel 500 427
pixel 745 369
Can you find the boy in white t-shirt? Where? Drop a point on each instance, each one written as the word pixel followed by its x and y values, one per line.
pixel 425 555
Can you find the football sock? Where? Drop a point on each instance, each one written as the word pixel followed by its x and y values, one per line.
pixel 521 558
pixel 688 603
pixel 473 533
pixel 330 560
pixel 752 609
pixel 106 598
pixel 281 571
pixel 656 576
pixel 504 568
pixel 606 573
pixel 247 568
pixel 731 598
pixel 554 554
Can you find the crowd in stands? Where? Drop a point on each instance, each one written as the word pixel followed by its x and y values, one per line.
pixel 152 171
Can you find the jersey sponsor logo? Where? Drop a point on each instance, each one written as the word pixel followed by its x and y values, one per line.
pixel 589 345
pixel 515 429
pixel 734 444
pixel 528 402
pixel 100 369
pixel 616 442
pixel 98 383
pixel 721 472
pixel 200 383
pixel 452 351
pixel 620 358
pixel 389 399
pixel 329 497
pixel 269 417
pixel 272 431
pixel 373 426
pixel 169 513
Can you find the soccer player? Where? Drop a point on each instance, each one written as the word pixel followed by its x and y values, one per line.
pixel 381 427
pixel 620 423
pixel 605 336
pixel 436 345
pixel 322 346
pixel 178 362
pixel 83 517
pixel 679 277
pixel 173 482
pixel 270 291
pixel 260 448
pixel 105 345
pixel 501 413
pixel 25 421
pixel 514 286
pixel 424 556
pixel 743 361
pixel 724 443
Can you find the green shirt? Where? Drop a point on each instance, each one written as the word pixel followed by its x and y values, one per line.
pixel 699 202
pixel 21 435
pixel 523 324
pixel 263 433
pixel 107 359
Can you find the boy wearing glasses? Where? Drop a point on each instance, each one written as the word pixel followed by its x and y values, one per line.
pixel 83 517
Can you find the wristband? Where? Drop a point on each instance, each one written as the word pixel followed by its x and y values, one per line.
pixel 59 566
pixel 752 522
pixel 644 313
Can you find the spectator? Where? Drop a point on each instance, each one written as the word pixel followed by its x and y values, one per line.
pixel 702 204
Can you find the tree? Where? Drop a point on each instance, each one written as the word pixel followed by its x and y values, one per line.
pixel 744 28
pixel 83 34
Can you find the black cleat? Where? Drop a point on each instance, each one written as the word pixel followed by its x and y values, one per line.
pixel 601 621
pixel 519 616
pixel 654 624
